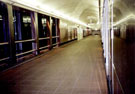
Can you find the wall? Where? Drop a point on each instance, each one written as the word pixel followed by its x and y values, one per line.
pixel 68 31
pixel 124 60
pixel 87 32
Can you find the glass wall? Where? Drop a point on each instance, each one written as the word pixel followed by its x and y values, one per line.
pixel 44 32
pixel 24 33
pixel 29 34
pixel 4 34
pixel 55 31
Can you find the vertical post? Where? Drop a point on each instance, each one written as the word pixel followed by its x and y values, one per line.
pixel 35 34
pixel 11 34
pixel 19 29
pixel 56 31
pixel 58 24
pixel 50 33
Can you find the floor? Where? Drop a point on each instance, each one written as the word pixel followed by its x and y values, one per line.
pixel 74 68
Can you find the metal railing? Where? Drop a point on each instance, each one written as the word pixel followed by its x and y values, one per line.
pixel 3 59
pixel 23 53
pixel 22 41
pixel 55 44
pixel 55 36
pixel 4 43
pixel 44 38
pixel 44 47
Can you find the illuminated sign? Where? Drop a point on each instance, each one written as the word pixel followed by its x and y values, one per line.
pixel 43 21
pixel 26 19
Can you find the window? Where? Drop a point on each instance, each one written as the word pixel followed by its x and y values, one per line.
pixel 4 35
pixel 24 35
pixel 44 33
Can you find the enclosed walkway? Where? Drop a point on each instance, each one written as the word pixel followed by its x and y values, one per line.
pixel 74 68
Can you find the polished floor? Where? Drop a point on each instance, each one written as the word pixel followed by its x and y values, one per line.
pixel 74 68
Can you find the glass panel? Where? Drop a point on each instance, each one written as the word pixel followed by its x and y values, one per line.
pixel 19 46
pixel 54 27
pixel 43 43
pixel 54 41
pixel 22 24
pixel 43 30
pixel 54 30
pixel 3 23
pixel 4 49
pixel 23 29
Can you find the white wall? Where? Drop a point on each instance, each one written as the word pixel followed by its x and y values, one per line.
pixel 80 33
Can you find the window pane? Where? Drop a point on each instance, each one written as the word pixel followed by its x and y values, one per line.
pixel 4 49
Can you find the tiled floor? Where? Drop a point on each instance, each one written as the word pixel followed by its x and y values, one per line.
pixel 74 68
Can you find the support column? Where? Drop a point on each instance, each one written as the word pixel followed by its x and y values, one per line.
pixel 50 33
pixel 35 33
pixel 58 33
pixel 11 35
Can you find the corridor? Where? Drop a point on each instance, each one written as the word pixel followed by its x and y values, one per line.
pixel 73 68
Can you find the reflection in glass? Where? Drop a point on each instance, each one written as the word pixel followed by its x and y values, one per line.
pixel 4 49
pixel 43 30
pixel 22 27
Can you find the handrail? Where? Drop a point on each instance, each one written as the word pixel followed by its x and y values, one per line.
pixel 4 43
pixel 4 59
pixel 55 44
pixel 26 52
pixel 44 47
pixel 44 38
pixel 55 36
pixel 21 41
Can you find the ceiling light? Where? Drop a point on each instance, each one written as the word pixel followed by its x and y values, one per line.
pixel 131 16
pixel 39 6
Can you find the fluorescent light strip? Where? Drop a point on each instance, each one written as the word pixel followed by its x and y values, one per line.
pixel 38 6
pixel 131 16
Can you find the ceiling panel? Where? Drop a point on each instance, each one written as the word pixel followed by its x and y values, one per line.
pixel 79 9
